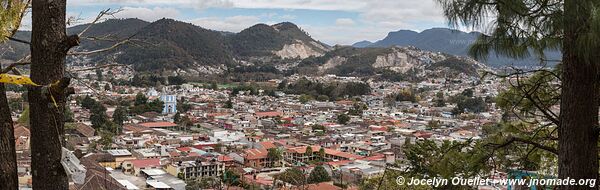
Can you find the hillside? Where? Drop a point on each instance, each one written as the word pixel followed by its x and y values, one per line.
pixel 285 40
pixel 172 45
pixel 450 41
pixel 389 63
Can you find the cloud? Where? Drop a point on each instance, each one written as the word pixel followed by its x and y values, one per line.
pixel 148 14
pixel 289 17
pixel 344 22
pixel 230 24
pixel 197 4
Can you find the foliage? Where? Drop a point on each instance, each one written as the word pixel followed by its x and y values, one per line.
pixel 275 154
pixel 10 18
pixel 428 159
pixel 403 95
pixel 318 175
pixel 388 182
pixel 232 178
pixel 343 119
pixel 357 109
pixel 176 80
pixel 119 116
pixel 293 176
pixel 24 119
pixel 468 104
pixel 203 183
pixel 141 105
pixel 228 104
pixel 183 106
pixel 332 90
pixel 318 127
pixel 304 98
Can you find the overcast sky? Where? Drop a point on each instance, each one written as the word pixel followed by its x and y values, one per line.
pixel 331 21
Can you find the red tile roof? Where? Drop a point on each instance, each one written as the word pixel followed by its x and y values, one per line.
pixel 144 163
pixel 253 154
pixel 302 149
pixel 21 131
pixel 268 114
pixel 268 145
pixel 160 124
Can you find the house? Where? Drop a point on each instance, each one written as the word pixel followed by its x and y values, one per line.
pixel 22 137
pixel 118 157
pixel 196 169
pixel 97 176
pixel 135 166
pixel 257 158
pixel 160 124
pixel 299 155
pixel 84 130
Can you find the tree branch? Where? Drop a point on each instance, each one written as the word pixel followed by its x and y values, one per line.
pixel 102 13
pixel 19 40
pixel 526 141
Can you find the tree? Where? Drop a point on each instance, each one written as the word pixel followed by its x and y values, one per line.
pixel 214 86
pixel 293 176
pixel 275 155
pixel 318 175
pixel 304 98
pixel 357 109
pixel 88 102
pixel 49 47
pixel 140 99
pixel 11 13
pixel 232 178
pixel 107 87
pixel 322 154
pixel 203 183
pixel 228 104
pixel 308 151
pixel 177 117
pixel 525 26
pixel 119 116
pixel 24 119
pixel 99 75
pixel 343 119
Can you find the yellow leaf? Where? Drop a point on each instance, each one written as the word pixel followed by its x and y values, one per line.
pixel 16 79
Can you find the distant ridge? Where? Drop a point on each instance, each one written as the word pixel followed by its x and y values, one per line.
pixel 450 41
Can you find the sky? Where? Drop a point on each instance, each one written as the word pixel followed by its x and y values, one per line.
pixel 330 21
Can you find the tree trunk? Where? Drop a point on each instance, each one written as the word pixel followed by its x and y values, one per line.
pixel 578 134
pixel 8 154
pixel 49 45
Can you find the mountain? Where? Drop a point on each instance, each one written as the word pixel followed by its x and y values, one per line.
pixel 285 40
pixel 362 44
pixel 171 45
pixel 175 45
pixel 453 42
pixel 391 63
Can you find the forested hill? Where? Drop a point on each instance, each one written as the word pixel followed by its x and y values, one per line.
pixel 260 52
pixel 169 44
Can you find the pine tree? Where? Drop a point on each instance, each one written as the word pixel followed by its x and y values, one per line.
pixel 523 27
pixel 318 175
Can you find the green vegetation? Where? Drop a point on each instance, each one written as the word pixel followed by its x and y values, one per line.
pixel 292 176
pixel 403 95
pixel 357 108
pixel 141 105
pixel 343 119
pixel 203 183
pixel 318 175
pixel 332 90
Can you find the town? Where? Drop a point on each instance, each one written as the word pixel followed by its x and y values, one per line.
pixel 211 136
